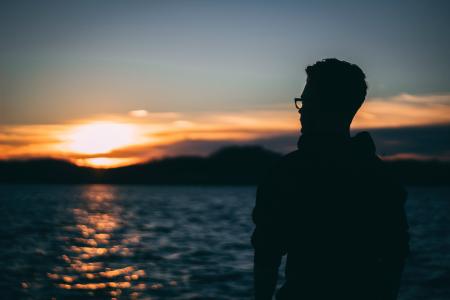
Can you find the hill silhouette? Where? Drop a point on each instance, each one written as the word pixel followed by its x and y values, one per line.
pixel 235 165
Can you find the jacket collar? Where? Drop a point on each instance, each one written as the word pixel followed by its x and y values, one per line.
pixel 361 142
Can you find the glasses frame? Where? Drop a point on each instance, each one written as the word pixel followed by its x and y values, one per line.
pixel 298 103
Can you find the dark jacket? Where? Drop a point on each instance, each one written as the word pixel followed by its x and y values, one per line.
pixel 338 215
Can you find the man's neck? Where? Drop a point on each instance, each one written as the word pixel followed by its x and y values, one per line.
pixel 345 133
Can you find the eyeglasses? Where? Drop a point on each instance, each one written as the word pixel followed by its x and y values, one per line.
pixel 298 102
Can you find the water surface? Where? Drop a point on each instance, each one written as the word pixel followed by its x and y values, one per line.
pixel 150 242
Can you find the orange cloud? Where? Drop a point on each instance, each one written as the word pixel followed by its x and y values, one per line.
pixel 404 110
pixel 141 135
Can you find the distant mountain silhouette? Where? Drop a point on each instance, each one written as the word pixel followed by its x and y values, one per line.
pixel 235 165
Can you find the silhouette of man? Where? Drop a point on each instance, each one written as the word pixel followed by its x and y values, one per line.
pixel 330 206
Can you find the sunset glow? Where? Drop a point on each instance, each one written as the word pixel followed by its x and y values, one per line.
pixel 101 137
pixel 104 162
pixel 118 140
pixel 107 88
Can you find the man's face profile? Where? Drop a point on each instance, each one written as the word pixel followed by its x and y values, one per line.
pixel 307 108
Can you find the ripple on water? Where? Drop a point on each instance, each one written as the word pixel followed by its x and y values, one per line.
pixel 142 242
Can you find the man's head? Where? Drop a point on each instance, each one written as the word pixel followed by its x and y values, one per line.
pixel 334 92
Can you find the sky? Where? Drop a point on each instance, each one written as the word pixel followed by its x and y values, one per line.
pixel 108 83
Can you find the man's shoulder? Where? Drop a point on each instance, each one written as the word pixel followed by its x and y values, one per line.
pixel 286 166
pixel 290 159
pixel 281 164
pixel 290 156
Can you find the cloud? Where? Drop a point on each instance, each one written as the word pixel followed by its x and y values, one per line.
pixel 428 142
pixel 405 125
pixel 140 113
pixel 404 110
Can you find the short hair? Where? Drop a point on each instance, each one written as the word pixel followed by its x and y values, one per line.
pixel 340 85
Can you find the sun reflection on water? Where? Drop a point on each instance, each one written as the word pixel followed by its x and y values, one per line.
pixel 95 258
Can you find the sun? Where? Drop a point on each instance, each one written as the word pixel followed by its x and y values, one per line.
pixel 105 162
pixel 102 137
pixel 96 139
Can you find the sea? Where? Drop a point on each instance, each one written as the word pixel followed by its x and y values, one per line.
pixel 169 242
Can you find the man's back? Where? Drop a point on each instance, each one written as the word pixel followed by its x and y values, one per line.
pixel 334 211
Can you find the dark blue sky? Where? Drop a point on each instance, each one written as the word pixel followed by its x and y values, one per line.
pixel 61 60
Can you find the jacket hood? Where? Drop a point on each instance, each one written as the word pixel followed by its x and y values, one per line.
pixel 361 144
